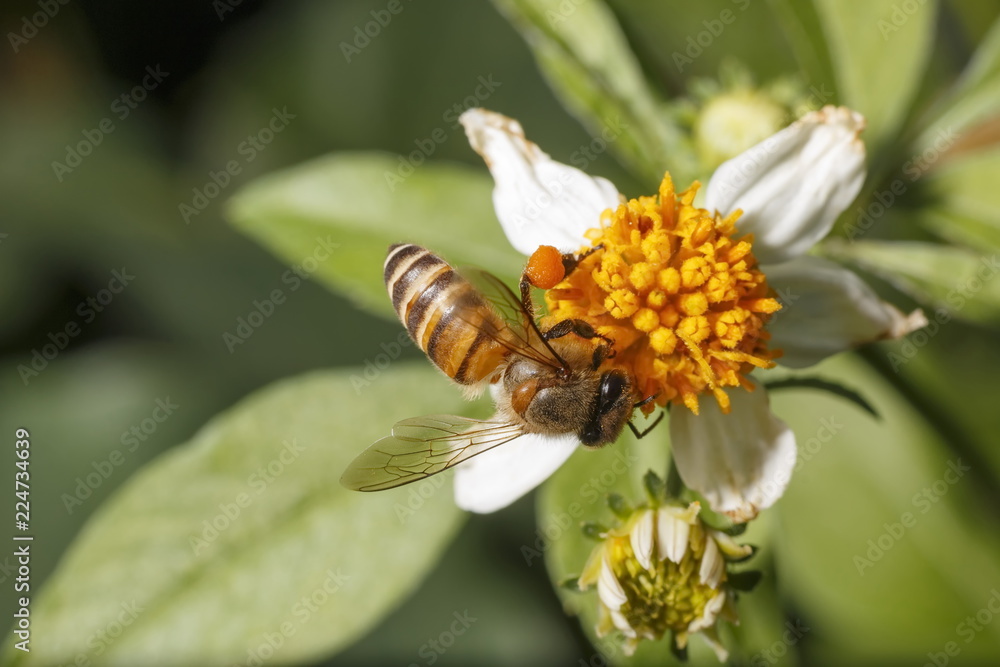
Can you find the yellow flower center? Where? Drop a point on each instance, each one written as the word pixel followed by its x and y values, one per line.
pixel 671 596
pixel 683 300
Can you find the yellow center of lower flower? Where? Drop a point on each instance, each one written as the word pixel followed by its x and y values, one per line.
pixel 682 299
pixel 670 596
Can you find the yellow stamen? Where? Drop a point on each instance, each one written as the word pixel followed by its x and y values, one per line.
pixel 683 300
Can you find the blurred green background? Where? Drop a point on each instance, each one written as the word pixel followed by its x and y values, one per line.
pixel 225 68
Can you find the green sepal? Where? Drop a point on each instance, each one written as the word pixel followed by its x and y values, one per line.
pixel 745 581
pixel 680 653
pixel 571 584
pixel 656 488
pixel 593 530
pixel 621 507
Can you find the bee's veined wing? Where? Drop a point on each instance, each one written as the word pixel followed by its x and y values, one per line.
pixel 423 446
pixel 521 335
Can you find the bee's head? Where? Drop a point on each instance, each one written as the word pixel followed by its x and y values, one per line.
pixel 611 410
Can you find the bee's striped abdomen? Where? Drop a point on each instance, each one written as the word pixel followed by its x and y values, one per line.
pixel 444 314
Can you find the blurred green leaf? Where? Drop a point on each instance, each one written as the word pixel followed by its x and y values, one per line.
pixel 976 96
pixel 879 50
pixel 803 29
pixel 882 543
pixel 354 205
pixel 243 542
pixel 966 200
pixel 963 282
pixel 583 53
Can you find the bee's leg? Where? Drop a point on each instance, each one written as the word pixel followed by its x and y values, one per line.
pixel 526 301
pixel 570 260
pixel 605 350
pixel 649 428
pixel 578 327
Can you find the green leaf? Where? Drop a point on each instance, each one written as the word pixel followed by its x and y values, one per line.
pixel 966 201
pixel 834 388
pixel 879 50
pixel 803 29
pixel 974 99
pixel 581 50
pixel 346 209
pixel 883 543
pixel 962 282
pixel 243 538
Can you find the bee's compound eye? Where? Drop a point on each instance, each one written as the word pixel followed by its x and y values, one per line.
pixel 613 385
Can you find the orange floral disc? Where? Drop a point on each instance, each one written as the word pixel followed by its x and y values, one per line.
pixel 683 300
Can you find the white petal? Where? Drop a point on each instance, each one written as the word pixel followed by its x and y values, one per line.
pixel 708 615
pixel 827 309
pixel 538 201
pixel 671 535
pixel 740 462
pixel 712 637
pixel 713 565
pixel 793 185
pixel 641 537
pixel 494 479
pixel 609 590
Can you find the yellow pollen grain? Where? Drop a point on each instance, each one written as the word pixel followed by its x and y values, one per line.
pixel 663 340
pixel 669 280
pixel 694 272
pixel 656 299
pixel 622 303
pixel 695 303
pixel 642 276
pixel 695 329
pixel 645 320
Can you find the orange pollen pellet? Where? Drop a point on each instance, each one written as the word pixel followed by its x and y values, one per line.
pixel 545 267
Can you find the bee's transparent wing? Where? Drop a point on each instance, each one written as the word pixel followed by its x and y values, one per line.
pixel 423 446
pixel 521 335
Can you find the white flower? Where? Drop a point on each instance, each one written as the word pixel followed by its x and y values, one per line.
pixel 787 191
pixel 663 571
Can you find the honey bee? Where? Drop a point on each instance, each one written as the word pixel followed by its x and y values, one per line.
pixel 475 330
